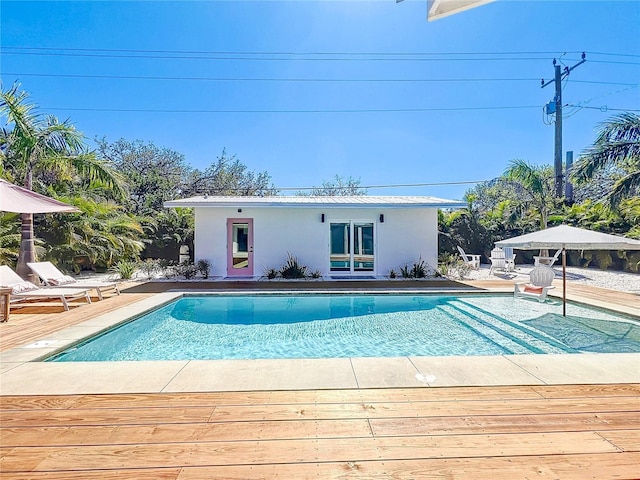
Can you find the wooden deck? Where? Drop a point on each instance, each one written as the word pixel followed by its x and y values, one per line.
pixel 568 432
pixel 546 432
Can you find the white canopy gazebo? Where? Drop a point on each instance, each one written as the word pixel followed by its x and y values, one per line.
pixel 565 237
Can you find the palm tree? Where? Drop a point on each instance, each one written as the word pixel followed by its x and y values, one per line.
pixel 43 145
pixel 535 184
pixel 617 145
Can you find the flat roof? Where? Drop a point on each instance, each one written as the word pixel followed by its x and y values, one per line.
pixel 319 201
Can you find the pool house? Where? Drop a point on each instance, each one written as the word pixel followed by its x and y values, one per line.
pixel 342 236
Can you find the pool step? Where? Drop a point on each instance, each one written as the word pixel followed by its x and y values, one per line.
pixel 532 339
pixel 487 331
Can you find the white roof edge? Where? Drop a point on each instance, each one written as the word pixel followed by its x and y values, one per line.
pixel 318 202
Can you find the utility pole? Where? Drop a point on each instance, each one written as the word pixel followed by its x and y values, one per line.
pixel 557 158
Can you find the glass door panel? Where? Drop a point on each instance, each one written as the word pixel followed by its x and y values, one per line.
pixel 340 249
pixel 363 247
pixel 351 247
pixel 239 246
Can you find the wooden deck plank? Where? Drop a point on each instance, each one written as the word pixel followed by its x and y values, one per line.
pixel 418 409
pixel 379 395
pixel 281 430
pixel 300 451
pixel 183 433
pixel 137 474
pixel 607 466
pixel 593 390
pixel 505 424
pixel 138 416
pixel 376 395
pixel 627 440
pixel 568 467
pixel 228 413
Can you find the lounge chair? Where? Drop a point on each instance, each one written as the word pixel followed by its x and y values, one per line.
pixel 22 290
pixel 53 277
pixel 503 260
pixel 498 262
pixel 548 261
pixel 472 260
pixel 539 284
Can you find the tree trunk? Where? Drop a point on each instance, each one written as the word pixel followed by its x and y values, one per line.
pixel 27 248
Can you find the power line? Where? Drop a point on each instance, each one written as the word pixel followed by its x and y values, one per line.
pixel 369 110
pixel 605 108
pixel 275 59
pixel 238 52
pixel 301 80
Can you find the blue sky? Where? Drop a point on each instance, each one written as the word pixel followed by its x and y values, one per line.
pixel 309 89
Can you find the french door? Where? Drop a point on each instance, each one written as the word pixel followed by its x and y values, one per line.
pixel 239 247
pixel 351 248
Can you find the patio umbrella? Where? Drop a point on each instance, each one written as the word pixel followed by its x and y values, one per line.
pixel 565 237
pixel 22 200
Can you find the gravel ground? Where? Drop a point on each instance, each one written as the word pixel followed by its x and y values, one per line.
pixel 620 281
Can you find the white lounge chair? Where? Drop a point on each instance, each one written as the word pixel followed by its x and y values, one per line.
pixel 53 277
pixel 540 280
pixel 502 260
pixel 472 260
pixel 22 290
pixel 498 261
pixel 548 261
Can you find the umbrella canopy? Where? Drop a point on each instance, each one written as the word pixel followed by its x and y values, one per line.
pixel 21 200
pixel 565 237
pixel 571 238
pixel 441 8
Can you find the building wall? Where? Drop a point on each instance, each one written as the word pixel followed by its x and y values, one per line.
pixel 405 235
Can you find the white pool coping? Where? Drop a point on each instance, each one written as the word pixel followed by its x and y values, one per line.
pixel 22 374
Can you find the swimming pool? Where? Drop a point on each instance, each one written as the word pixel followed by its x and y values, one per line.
pixel 388 325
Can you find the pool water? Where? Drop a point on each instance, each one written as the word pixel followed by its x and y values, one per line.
pixel 323 326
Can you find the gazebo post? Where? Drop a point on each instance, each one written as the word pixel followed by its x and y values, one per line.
pixel 564 281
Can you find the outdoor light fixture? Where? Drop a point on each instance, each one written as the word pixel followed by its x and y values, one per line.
pixel 382 218
pixel 322 218
pixel 239 210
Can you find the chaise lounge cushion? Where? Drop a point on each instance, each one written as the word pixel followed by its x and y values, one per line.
pixel 63 280
pixel 23 287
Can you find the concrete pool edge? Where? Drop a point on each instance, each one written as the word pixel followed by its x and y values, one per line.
pixel 190 376
pixel 21 374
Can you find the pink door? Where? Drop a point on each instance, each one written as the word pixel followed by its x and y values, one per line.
pixel 239 247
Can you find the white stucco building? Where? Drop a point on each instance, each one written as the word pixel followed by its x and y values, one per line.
pixel 339 236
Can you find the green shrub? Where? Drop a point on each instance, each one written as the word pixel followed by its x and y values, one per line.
pixel 316 274
pixel 271 273
pixel 124 269
pixel 187 269
pixel 453 267
pixel 149 267
pixel 419 269
pixel 204 267
pixel 293 269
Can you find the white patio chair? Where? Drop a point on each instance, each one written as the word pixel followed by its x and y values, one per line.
pixel 510 258
pixel 22 290
pixel 498 260
pixel 547 261
pixel 472 260
pixel 53 277
pixel 540 280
